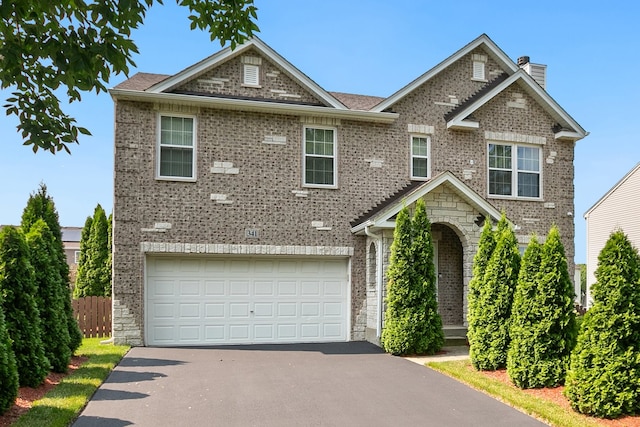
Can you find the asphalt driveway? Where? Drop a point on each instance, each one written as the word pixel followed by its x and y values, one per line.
pixel 339 384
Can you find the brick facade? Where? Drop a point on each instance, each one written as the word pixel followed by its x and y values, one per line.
pixel 249 176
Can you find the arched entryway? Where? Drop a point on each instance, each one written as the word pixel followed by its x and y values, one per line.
pixel 450 276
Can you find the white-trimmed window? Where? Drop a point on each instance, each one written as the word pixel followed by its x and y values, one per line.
pixel 420 159
pixel 515 170
pixel 76 257
pixel 320 157
pixel 176 147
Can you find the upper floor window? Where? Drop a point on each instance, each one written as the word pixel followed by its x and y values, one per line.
pixel 420 168
pixel 320 157
pixel 514 170
pixel 176 148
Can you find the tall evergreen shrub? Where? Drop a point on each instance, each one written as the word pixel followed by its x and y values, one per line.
pixel 95 278
pixel 604 374
pixel 486 246
pixel 489 338
pixel 41 205
pixel 543 326
pixel 18 290
pixel 8 369
pixel 49 296
pixel 81 275
pixel 412 322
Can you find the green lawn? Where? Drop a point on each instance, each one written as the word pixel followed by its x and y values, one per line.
pixel 63 404
pixel 542 409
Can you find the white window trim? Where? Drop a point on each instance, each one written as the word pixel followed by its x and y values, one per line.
pixel 194 148
pixel 428 138
pixel 334 156
pixel 76 257
pixel 514 171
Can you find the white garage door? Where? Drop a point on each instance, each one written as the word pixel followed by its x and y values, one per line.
pixel 208 301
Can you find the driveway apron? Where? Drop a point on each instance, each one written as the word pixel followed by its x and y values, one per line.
pixel 337 384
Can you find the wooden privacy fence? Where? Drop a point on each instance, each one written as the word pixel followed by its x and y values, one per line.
pixel 93 315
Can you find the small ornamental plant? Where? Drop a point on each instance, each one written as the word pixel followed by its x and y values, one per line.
pixel 412 323
pixel 604 373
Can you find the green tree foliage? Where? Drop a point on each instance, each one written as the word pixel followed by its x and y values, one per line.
pixel 49 296
pixel 489 326
pixel 486 246
pixel 8 369
pixel 412 322
pixel 41 205
pixel 95 279
pixel 543 326
pixel 18 290
pixel 604 375
pixel 75 46
pixel 83 266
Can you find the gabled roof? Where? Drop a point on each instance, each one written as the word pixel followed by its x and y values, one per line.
pixel 483 41
pixel 226 54
pixel 381 215
pixel 628 175
pixel 568 128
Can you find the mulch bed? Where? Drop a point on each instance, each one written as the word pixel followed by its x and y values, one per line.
pixel 555 395
pixel 28 395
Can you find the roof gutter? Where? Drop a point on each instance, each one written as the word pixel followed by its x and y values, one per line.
pixel 251 105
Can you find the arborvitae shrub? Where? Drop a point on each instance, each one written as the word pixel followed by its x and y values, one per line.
pixel 412 322
pixel 604 375
pixel 489 333
pixel 543 328
pixel 82 284
pixel 49 296
pixel 22 316
pixel 486 246
pixel 41 205
pixel 8 369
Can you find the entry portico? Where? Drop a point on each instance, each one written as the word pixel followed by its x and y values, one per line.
pixel 457 214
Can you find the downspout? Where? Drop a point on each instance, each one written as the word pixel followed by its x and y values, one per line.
pixel 379 271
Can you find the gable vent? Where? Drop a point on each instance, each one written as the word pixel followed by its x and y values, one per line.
pixel 251 75
pixel 537 71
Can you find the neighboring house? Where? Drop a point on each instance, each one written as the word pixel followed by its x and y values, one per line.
pixel 253 206
pixel 71 243
pixel 617 209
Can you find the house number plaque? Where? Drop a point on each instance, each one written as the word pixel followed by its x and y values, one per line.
pixel 251 233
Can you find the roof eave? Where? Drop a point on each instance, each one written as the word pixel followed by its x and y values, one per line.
pixel 252 105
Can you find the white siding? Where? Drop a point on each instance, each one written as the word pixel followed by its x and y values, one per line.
pixel 619 208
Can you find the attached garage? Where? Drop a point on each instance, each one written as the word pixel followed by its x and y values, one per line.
pixel 198 300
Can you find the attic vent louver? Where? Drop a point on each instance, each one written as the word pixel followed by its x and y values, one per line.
pixel 537 71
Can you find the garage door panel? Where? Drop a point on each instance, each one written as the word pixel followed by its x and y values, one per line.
pixel 214 288
pixel 199 300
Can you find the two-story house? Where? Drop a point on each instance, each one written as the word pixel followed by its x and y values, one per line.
pixel 253 206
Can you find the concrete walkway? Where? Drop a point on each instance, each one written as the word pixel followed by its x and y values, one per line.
pixel 337 384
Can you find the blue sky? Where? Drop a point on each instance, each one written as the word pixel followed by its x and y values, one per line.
pixel 375 47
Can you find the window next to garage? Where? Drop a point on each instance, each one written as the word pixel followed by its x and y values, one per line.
pixel 320 157
pixel 176 148
pixel 515 171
